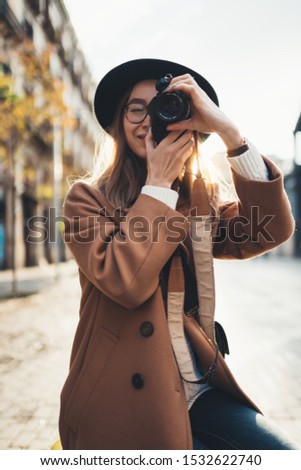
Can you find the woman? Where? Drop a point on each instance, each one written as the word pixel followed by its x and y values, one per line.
pixel 147 368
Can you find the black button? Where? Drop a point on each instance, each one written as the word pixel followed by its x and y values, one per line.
pixel 138 381
pixel 146 329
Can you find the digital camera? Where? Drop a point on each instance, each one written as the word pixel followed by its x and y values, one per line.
pixel 166 108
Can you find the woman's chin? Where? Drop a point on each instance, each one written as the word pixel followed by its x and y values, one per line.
pixel 141 153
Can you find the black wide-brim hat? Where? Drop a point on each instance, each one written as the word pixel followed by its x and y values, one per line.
pixel 123 77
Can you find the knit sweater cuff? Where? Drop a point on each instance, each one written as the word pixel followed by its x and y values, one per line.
pixel 166 195
pixel 250 164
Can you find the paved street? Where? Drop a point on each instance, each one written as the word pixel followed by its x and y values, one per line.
pixel 258 302
pixel 36 336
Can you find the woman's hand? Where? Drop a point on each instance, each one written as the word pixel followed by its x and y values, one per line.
pixel 165 160
pixel 206 116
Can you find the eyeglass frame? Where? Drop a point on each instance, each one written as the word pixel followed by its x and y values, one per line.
pixel 125 110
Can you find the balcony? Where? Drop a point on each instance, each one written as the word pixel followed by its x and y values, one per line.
pixel 9 25
pixel 48 28
pixel 34 5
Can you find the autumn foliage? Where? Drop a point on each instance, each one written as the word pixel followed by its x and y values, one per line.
pixel 31 111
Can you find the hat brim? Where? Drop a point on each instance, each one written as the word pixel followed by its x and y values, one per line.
pixel 121 78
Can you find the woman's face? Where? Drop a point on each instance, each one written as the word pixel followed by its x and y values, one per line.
pixel 135 134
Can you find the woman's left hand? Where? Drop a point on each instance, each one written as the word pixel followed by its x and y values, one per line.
pixel 206 116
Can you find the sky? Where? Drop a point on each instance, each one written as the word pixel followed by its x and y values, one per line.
pixel 249 50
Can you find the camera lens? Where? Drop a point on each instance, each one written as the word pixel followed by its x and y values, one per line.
pixel 171 107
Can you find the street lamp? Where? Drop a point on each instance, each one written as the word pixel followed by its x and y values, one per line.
pixel 57 185
pixel 297 173
pixel 297 142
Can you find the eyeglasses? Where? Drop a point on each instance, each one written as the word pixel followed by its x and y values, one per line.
pixel 136 112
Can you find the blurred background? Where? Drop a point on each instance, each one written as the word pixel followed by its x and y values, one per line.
pixel 52 55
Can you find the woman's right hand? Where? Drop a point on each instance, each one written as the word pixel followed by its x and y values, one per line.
pixel 166 160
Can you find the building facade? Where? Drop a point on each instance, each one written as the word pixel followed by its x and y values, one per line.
pixel 49 130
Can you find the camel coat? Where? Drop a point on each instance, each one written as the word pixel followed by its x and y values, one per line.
pixel 124 389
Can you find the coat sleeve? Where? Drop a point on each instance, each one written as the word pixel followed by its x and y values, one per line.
pixel 259 221
pixel 122 260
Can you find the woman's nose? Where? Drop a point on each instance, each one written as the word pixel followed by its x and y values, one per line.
pixel 147 121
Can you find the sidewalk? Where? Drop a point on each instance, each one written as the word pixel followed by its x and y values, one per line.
pixel 33 279
pixel 36 337
pixel 258 303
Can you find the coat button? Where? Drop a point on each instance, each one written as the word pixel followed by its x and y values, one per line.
pixel 146 329
pixel 137 381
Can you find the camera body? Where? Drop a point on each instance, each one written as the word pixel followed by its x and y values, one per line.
pixel 166 108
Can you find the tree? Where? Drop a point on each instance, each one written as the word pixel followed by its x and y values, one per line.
pixel 32 112
pixel 27 112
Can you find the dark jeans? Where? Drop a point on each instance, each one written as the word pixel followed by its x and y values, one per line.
pixel 221 422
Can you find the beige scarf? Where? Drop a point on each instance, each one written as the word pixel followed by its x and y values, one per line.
pixel 200 221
